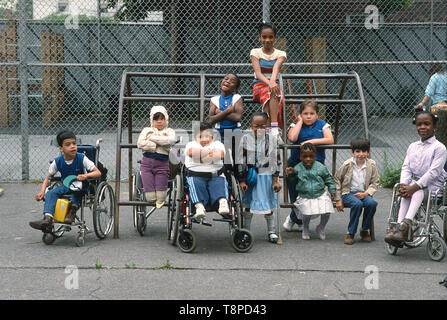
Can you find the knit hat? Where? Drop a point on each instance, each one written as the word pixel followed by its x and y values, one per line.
pixel 161 109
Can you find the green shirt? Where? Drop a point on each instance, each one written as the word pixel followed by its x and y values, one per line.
pixel 311 182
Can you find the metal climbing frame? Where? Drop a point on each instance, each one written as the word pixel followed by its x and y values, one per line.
pixel 127 97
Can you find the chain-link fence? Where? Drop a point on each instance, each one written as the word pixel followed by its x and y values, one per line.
pixel 61 63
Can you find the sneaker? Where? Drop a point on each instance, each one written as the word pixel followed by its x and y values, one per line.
pixel 288 224
pixel 305 236
pixel 223 207
pixel 200 211
pixel 321 233
pixel 273 238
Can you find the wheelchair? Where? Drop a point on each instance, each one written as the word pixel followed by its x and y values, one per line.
pixel 181 212
pixel 141 213
pixel 430 223
pixel 99 198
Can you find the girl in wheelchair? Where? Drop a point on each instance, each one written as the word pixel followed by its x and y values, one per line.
pixel 423 168
pixel 205 172
pixel 70 163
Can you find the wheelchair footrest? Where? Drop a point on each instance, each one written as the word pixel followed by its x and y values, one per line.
pixel 202 222
pixel 223 220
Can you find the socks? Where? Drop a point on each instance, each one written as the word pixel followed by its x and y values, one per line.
pixel 270 222
pixel 306 220
pixel 247 216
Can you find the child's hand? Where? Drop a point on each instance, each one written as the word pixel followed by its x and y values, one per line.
pixel 276 187
pixel 81 177
pixel 339 205
pixel 244 186
pixel 289 170
pixel 332 196
pixel 360 195
pixel 40 196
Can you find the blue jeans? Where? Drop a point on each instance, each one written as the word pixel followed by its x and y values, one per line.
pixel 54 194
pixel 356 205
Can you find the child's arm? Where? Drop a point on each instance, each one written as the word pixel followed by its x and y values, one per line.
pixel 375 180
pixel 95 173
pixel 232 113
pixel 167 137
pixel 294 132
pixel 328 138
pixel 275 185
pixel 144 143
pixel 274 88
pixel 329 182
pixel 338 180
pixel 41 194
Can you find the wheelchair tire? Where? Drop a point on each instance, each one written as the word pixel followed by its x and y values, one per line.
pixel 134 197
pixel 392 250
pixel 238 201
pixel 187 241
pixel 444 231
pixel 103 210
pixel 174 209
pixel 242 240
pixel 141 224
pixel 48 238
pixel 436 248
pixel 80 240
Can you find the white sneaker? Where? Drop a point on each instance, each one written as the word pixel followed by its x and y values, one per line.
pixel 200 211
pixel 320 233
pixel 288 224
pixel 223 207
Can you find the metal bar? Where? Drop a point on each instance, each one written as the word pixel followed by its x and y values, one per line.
pixel 319 146
pixel 202 97
pixel 266 10
pixel 23 74
pixel 118 157
pixel 226 65
pixel 362 98
pixel 337 120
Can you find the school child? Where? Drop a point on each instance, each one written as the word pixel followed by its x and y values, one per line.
pixel 423 169
pixel 69 163
pixel 156 142
pixel 307 129
pixel 356 181
pixel 261 158
pixel 313 200
pixel 205 172
pixel 267 62
pixel 226 113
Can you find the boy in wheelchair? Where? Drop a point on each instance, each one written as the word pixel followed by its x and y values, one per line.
pixel 69 164
pixel 205 172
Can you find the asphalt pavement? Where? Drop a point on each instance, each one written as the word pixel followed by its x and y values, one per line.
pixel 149 267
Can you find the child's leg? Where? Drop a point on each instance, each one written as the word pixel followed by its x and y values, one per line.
pixel 148 179
pixel 161 182
pixel 356 205
pixel 218 189
pixel 409 206
pixel 370 206
pixel 198 190
pixel 51 199
pixel 324 218
pixel 306 221
pixel 271 227
pixel 247 216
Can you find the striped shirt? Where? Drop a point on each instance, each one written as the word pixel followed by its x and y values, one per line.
pixel 267 61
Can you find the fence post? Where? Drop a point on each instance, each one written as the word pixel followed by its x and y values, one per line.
pixel 23 72
pixel 266 10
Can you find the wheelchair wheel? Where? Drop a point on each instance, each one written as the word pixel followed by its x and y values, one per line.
pixel 436 248
pixel 134 197
pixel 444 231
pixel 137 195
pixel 187 240
pixel 48 238
pixel 174 210
pixel 80 240
pixel 141 223
pixel 242 240
pixel 103 210
pixel 238 200
pixel 391 249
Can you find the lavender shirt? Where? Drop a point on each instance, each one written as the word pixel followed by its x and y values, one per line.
pixel 424 164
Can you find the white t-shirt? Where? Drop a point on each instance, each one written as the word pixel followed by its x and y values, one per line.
pixel 358 177
pixel 194 163
pixel 87 163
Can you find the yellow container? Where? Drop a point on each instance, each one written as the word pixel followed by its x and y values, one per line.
pixel 61 210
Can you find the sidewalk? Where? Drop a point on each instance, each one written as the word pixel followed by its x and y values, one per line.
pixel 135 267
